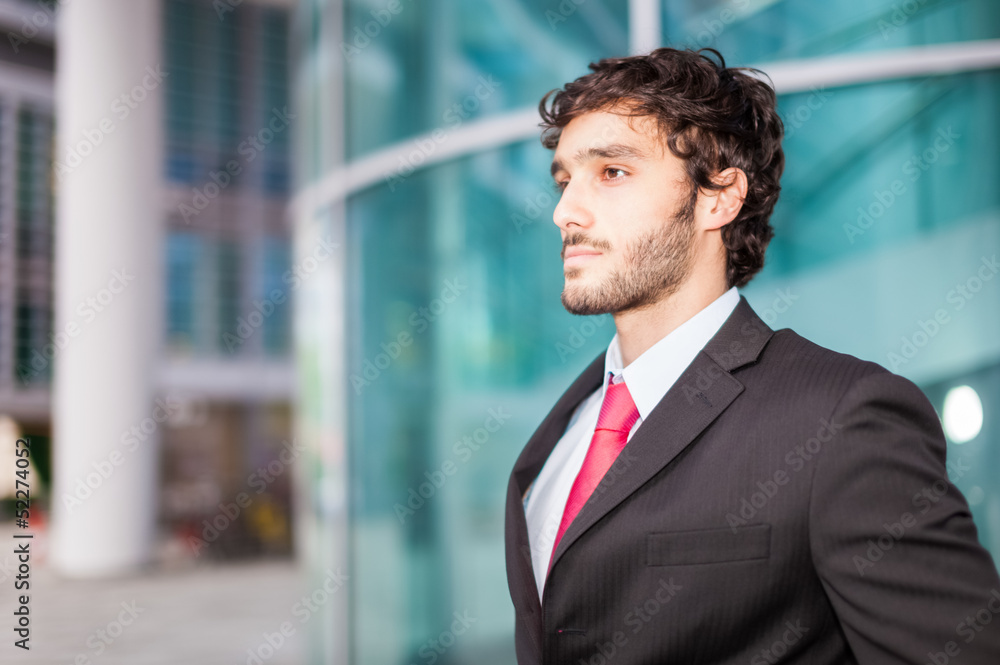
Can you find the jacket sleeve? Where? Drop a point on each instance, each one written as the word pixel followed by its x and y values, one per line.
pixel 892 538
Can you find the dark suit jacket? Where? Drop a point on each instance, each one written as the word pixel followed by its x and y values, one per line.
pixel 783 503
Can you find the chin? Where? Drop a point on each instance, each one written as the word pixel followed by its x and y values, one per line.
pixel 579 274
pixel 578 301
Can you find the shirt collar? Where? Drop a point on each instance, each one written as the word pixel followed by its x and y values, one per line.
pixel 653 373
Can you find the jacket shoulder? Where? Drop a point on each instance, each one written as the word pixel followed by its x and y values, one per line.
pixel 798 368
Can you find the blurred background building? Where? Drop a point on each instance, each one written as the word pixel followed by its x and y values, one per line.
pixel 226 177
pixel 225 245
pixel 26 218
pixel 346 285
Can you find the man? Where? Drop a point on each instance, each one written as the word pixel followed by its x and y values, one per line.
pixel 710 490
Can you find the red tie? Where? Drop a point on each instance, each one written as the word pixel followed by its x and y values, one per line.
pixel 618 414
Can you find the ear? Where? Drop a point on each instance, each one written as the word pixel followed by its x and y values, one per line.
pixel 719 207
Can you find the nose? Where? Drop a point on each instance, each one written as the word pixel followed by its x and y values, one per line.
pixel 573 209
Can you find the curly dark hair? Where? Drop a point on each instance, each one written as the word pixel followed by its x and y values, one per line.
pixel 713 117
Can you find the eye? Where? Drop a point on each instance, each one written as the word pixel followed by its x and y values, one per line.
pixel 613 169
pixel 559 186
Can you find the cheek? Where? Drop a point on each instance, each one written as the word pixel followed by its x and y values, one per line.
pixel 638 212
pixel 660 201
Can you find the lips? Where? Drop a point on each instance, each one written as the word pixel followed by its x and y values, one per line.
pixel 572 252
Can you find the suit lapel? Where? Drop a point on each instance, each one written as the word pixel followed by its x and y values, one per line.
pixel 530 462
pixel 702 392
pixel 545 438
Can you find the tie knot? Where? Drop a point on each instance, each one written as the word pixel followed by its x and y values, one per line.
pixel 618 412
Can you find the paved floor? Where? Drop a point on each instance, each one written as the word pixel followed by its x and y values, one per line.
pixel 208 615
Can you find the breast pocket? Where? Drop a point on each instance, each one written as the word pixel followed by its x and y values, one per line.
pixel 684 548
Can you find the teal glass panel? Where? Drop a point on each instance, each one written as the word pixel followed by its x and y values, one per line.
pixel 31 186
pixel 441 64
pixel 183 256
pixel 458 345
pixel 757 31
pixel 212 103
pixel 228 292
pixel 275 292
pixel 32 328
pixel 28 207
pixel 27 175
pixel 869 167
pixel 228 83
pixel 273 90
pixel 183 47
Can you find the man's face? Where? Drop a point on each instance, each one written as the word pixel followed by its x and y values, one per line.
pixel 626 214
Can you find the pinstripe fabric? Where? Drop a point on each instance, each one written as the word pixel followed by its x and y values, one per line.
pixel 766 512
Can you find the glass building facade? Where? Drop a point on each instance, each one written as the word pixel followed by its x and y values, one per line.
pixel 226 133
pixel 227 173
pixel 440 316
pixel 32 208
pixel 28 343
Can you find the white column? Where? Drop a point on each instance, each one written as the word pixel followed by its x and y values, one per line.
pixel 109 291
pixel 644 26
pixel 321 315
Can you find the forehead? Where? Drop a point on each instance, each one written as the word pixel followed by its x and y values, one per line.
pixel 602 134
pixel 610 125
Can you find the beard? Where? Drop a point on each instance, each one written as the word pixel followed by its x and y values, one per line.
pixel 654 267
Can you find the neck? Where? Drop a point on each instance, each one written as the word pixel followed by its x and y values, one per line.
pixel 640 329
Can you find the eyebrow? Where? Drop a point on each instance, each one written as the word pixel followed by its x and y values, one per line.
pixel 610 151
